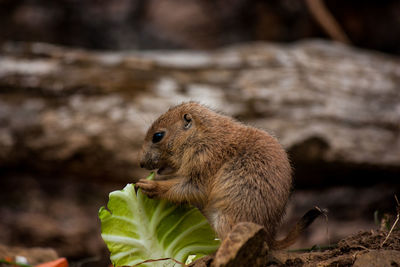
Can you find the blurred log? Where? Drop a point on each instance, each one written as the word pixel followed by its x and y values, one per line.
pixel 81 112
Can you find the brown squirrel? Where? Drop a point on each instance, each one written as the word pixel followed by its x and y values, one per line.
pixel 231 172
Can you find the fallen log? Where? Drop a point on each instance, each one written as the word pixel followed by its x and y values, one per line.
pixel 83 112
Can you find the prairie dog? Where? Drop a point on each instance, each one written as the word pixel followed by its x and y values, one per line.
pixel 232 172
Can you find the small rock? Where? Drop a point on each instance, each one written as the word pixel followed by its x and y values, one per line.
pixel 244 246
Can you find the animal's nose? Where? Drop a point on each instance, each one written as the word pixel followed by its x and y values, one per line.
pixel 141 164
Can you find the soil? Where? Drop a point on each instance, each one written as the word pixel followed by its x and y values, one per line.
pixel 365 248
pixel 361 249
pixel 62 214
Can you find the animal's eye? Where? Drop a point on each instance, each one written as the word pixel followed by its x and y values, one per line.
pixel 157 137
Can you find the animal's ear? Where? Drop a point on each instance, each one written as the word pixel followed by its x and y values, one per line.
pixel 187 121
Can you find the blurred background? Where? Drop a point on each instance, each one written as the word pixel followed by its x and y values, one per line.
pixel 80 82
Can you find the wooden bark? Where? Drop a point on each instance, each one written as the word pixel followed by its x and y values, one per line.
pixel 83 112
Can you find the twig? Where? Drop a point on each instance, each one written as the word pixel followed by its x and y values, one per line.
pixel 327 21
pixel 395 222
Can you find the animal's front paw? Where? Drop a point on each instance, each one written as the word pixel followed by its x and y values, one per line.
pixel 149 187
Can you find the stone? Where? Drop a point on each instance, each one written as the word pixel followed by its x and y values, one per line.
pixel 245 245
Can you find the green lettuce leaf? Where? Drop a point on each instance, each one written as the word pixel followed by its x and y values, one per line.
pixel 136 228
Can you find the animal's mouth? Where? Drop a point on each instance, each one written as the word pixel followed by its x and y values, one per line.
pixel 165 170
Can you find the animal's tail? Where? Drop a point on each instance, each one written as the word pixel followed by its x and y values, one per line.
pixel 299 228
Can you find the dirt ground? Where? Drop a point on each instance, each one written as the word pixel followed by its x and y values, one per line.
pixel 360 249
pixel 366 248
pixel 62 214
